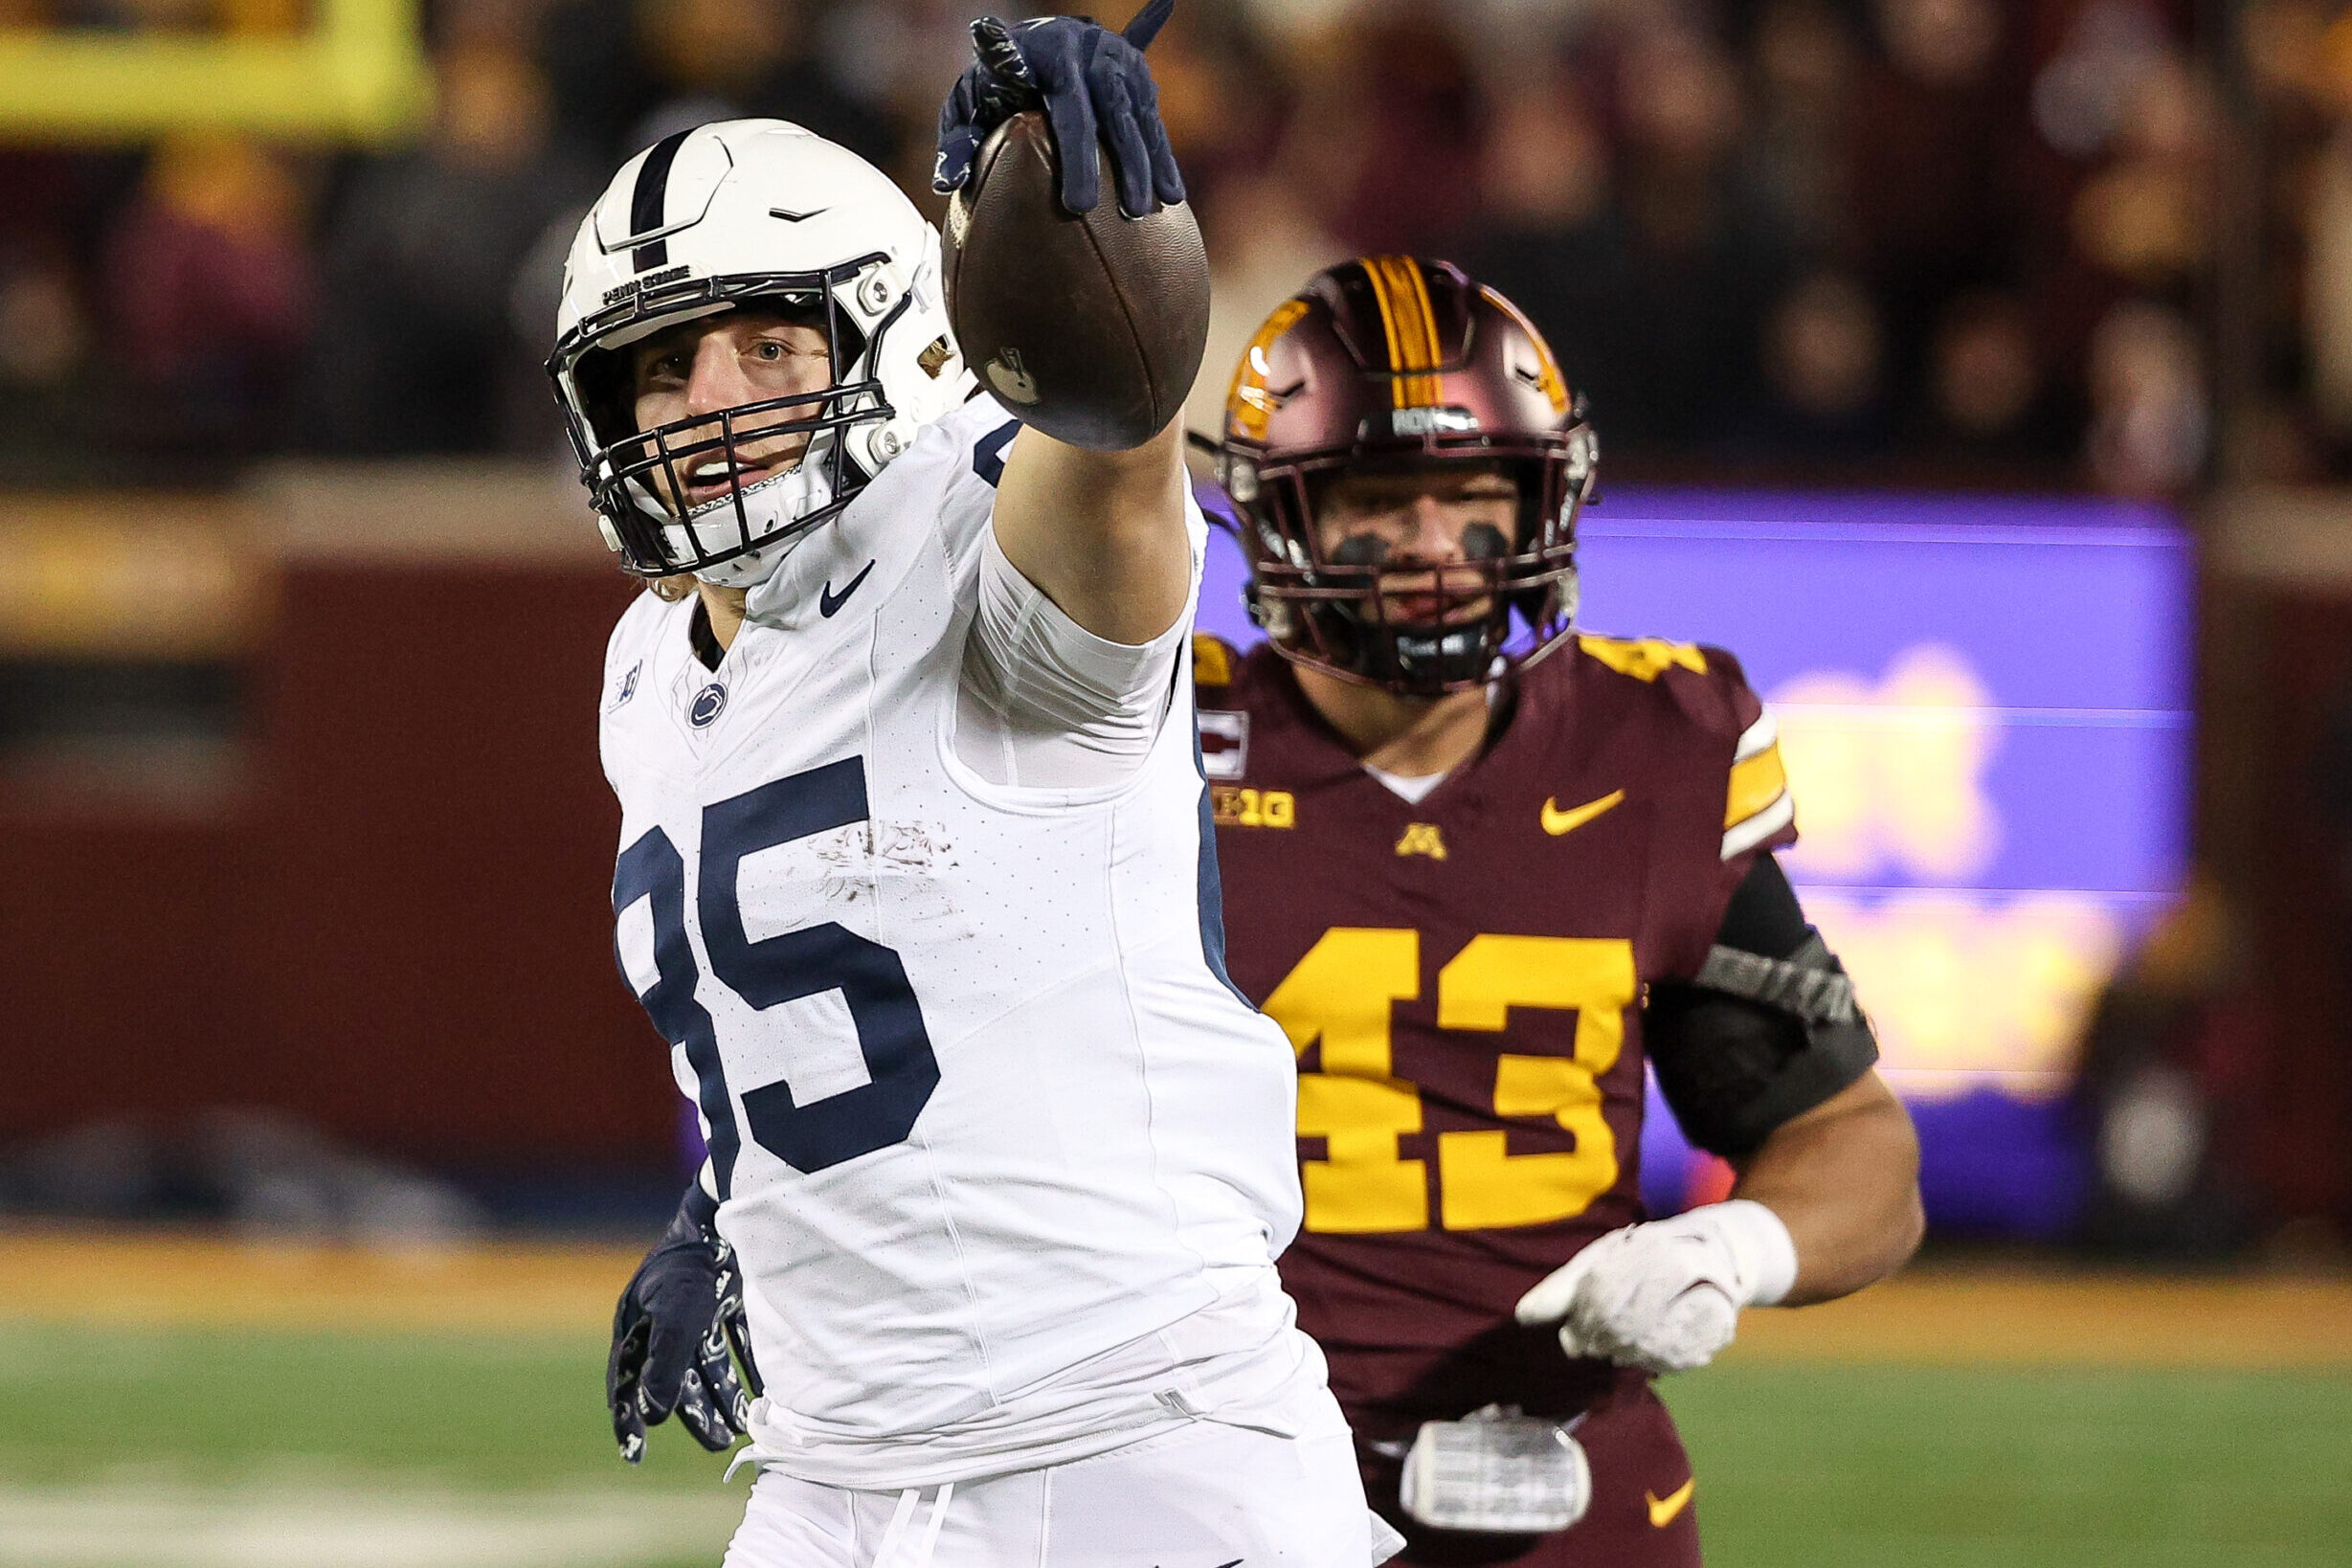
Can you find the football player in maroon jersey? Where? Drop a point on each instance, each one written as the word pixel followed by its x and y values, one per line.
pixel 1481 868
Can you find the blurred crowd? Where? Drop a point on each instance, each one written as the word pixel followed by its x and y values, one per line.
pixel 1944 241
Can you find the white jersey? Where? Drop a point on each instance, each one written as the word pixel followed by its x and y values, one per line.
pixel 1006 1160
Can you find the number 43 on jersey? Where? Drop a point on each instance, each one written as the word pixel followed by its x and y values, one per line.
pixel 1341 993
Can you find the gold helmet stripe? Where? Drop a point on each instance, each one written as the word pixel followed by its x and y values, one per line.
pixel 1403 298
pixel 1429 390
pixel 1381 297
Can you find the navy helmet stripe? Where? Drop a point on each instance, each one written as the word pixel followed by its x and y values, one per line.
pixel 652 183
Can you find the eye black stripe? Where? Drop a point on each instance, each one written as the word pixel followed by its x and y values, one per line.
pixel 652 183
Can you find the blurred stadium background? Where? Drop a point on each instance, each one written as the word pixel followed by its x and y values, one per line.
pixel 1979 369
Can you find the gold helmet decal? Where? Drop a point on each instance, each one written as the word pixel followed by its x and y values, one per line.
pixel 1545 372
pixel 1247 402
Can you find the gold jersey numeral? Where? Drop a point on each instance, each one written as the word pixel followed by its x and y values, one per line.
pixel 1342 991
pixel 1483 1186
pixel 1340 994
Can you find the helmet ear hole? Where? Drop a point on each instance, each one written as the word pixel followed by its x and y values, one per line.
pixel 601 376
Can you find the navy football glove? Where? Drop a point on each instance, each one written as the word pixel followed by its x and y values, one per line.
pixel 1091 81
pixel 677 1321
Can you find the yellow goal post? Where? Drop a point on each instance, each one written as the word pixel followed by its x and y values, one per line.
pixel 359 73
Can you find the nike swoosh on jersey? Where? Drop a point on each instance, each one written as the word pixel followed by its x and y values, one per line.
pixel 1664 1509
pixel 828 601
pixel 1557 822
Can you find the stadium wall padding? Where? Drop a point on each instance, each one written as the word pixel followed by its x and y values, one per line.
pixel 400 931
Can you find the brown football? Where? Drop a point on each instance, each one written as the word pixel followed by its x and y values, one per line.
pixel 1090 328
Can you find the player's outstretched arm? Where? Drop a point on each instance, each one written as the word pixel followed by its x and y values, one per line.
pixel 1100 532
pixel 1844 1177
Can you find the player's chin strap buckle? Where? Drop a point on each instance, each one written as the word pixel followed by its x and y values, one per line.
pixel 1496 1471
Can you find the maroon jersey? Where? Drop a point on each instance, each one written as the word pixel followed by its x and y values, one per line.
pixel 1463 979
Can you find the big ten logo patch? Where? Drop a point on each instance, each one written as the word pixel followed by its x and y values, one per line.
pixel 1237 807
pixel 1889 775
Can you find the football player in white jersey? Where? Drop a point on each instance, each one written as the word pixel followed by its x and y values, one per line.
pixel 916 876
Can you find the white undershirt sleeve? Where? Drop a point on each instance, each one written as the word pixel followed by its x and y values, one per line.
pixel 1045 703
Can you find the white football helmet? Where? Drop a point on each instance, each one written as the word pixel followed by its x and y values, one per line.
pixel 719 216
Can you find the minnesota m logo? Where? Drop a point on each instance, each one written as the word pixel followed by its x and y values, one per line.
pixel 1421 838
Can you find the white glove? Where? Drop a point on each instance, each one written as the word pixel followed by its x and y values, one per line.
pixel 1666 1295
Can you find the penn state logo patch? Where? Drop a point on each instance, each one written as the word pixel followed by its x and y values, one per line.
pixel 709 703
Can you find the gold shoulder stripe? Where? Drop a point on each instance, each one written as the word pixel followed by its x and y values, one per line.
pixel 1781 815
pixel 1247 403
pixel 1755 783
pixel 1644 658
pixel 1212 661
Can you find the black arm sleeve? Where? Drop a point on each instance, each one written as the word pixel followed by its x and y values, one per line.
pixel 1733 1069
pixel 1764 916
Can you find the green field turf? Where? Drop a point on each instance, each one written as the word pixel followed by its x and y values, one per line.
pixel 164 1450
pixel 2011 1468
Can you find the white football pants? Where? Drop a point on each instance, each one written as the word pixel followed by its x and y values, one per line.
pixel 1205 1496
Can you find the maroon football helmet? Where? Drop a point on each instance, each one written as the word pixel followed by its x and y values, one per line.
pixel 1392 362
